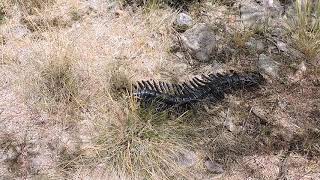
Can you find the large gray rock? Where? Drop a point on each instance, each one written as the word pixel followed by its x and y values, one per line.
pixel 200 42
pixel 268 66
pixel 183 22
pixel 255 12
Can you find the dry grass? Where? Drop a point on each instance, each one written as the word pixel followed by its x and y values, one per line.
pixel 119 80
pixel 240 38
pixel 305 28
pixel 2 13
pixel 30 6
pixel 142 143
pixel 67 80
pixel 58 87
pixel 53 85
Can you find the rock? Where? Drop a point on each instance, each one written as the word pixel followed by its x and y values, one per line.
pixel 183 22
pixel 179 55
pixel 200 42
pixel 119 13
pixel 254 12
pixel 11 154
pixel 256 45
pixel 288 50
pixel 228 122
pixel 229 125
pixel 282 104
pixel 213 167
pixel 93 4
pixel 113 5
pixel 269 66
pixel 282 46
pixel 187 159
pixel 299 73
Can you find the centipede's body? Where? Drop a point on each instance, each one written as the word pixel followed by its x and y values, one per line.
pixel 212 87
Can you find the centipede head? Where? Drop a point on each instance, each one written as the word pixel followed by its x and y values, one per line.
pixel 256 78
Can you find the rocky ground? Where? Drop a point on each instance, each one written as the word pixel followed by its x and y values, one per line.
pixel 64 63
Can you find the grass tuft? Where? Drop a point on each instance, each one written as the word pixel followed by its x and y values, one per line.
pixel 59 81
pixel 240 38
pixel 119 81
pixel 141 142
pixel 304 28
pixel 56 88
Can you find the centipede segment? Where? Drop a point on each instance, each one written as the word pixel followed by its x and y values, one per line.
pixel 212 87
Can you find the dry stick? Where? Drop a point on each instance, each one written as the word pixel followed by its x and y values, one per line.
pixel 283 166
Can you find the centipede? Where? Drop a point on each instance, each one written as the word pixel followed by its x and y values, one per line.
pixel 204 88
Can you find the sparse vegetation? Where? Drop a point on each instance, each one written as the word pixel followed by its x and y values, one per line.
pixel 152 4
pixel 240 38
pixel 31 6
pixel 54 87
pixel 143 143
pixel 2 13
pixel 304 27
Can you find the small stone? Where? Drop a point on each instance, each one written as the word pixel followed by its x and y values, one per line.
pixel 259 112
pixel 213 167
pixel 256 45
pixel 179 55
pixel 299 73
pixel 260 46
pixel 93 4
pixel 112 5
pixel 183 22
pixel 282 104
pixel 119 12
pixel 228 122
pixel 229 125
pixel 200 42
pixel 187 159
pixel 11 154
pixel 282 46
pixel 269 66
